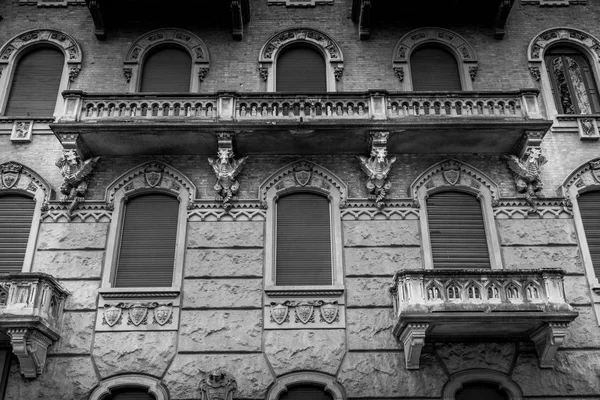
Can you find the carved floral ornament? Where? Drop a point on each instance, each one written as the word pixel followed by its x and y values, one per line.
pixel 586 176
pixel 538 46
pixel 331 50
pixel 195 46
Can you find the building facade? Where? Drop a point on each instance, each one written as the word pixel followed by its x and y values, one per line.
pixel 294 199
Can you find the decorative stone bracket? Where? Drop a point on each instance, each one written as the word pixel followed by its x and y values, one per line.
pixel 361 14
pixel 226 168
pixel 472 305
pixel 31 310
pixel 377 167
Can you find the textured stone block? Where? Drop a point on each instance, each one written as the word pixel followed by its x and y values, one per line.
pixel 363 292
pixel 72 236
pixel 250 371
pixel 563 257
pixel 133 352
pixel 71 378
pixel 577 290
pixel 370 329
pixel 225 234
pixel 69 264
pixel 220 330
pixel 583 332
pixel 230 262
pixel 536 231
pixel 381 233
pixel 222 293
pixel 381 260
pixel 309 350
pixel 76 334
pixel 83 294
pixel 495 356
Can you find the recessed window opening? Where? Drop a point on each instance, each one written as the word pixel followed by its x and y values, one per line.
pixel 167 69
pixel 306 392
pixel 16 215
pixel 481 391
pixel 589 208
pixel 434 68
pixel 300 68
pixel 130 394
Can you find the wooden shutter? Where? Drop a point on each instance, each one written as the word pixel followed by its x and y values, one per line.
pixel 434 68
pixel 35 83
pixel 167 69
pixel 481 391
pixel 303 240
pixel 16 215
pixel 131 394
pixel 300 69
pixel 306 392
pixel 457 231
pixel 147 251
pixel 589 208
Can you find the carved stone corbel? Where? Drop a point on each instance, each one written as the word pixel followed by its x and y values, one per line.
pixel 547 340
pixel 218 385
pixel 240 13
pixel 377 167
pixel 96 12
pixel 226 168
pixel 30 346
pixel 413 339
pixel 361 13
pixel 502 13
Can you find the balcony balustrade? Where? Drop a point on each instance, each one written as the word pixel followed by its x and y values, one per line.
pixel 31 311
pixel 476 305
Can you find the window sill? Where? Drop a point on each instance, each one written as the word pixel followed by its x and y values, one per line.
pixel 321 291
pixel 144 292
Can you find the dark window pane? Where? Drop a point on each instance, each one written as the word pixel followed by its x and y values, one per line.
pixel 16 214
pixel 167 69
pixel 589 207
pixel 300 69
pixel 481 391
pixel 306 392
pixel 434 68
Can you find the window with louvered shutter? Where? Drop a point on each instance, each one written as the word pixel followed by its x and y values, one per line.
pixel 35 83
pixel 306 392
pixel 481 391
pixel 300 68
pixel 434 68
pixel 303 254
pixel 457 231
pixel 148 239
pixel 16 215
pixel 589 208
pixel 167 69
pixel 130 394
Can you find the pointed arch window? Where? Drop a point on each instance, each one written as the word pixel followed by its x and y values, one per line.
pixel 457 231
pixel 35 83
pixel 16 215
pixel 434 68
pixel 166 69
pixel 301 68
pixel 573 85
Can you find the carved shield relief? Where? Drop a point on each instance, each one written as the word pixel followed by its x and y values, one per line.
pixel 304 312
pixel 10 174
pixel 329 312
pixel 302 173
pixel 279 312
pixel 153 174
pixel 451 174
pixel 595 169
pixel 112 315
pixel 162 314
pixel 137 315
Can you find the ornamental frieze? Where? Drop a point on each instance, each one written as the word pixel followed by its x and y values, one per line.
pixel 309 314
pixel 137 316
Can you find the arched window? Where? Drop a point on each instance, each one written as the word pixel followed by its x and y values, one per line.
pixel 130 394
pixel 589 208
pixel 303 255
pixel 35 83
pixel 166 69
pixel 573 84
pixel 457 231
pixel 16 214
pixel 148 241
pixel 306 392
pixel 433 67
pixel 301 68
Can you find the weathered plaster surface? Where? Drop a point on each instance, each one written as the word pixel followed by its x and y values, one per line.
pixel 536 232
pixel 83 294
pixel 225 234
pixel 576 290
pixel 370 329
pixel 460 356
pixel 563 257
pixel 76 334
pixel 69 264
pixel 310 350
pixel 133 352
pixel 369 291
pixel 250 371
pixel 72 236
pixel 221 330
pixel 583 331
pixel 230 262
pixel 222 293
pixel 379 261
pixel 381 233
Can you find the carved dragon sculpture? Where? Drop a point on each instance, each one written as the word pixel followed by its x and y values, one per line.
pixel 76 174
pixel 377 167
pixel 527 175
pixel 226 169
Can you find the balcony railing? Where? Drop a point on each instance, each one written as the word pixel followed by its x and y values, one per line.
pixel 31 311
pixel 372 105
pixel 472 304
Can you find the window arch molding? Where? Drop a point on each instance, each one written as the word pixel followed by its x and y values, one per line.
pixel 150 177
pixel 16 178
pixel 19 45
pixel 145 44
pixel 459 379
pixel 463 52
pixel 329 49
pixel 582 41
pixel 282 384
pixel 453 175
pixel 153 385
pixel 304 176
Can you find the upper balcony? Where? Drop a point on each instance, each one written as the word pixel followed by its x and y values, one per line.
pixel 308 123
pixel 31 313
pixel 481 305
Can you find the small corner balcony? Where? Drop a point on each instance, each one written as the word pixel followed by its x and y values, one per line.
pixel 476 305
pixel 31 312
pixel 309 123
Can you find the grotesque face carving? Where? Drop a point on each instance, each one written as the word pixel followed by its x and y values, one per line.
pixel 224 155
pixel 72 157
pixel 380 153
